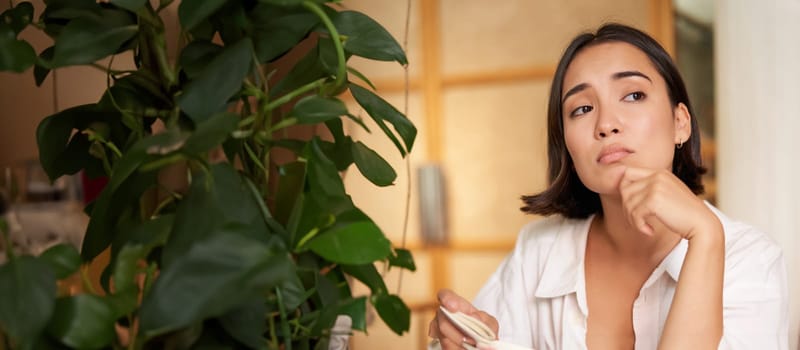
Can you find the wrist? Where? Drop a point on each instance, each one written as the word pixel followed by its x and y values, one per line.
pixel 710 235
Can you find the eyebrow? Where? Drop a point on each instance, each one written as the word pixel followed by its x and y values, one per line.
pixel 616 76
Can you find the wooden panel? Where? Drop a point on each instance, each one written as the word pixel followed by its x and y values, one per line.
pixel 431 71
pixel 495 140
pixel 416 286
pixel 479 35
pixel 480 266
pixel 379 336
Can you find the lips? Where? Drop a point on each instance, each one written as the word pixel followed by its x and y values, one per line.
pixel 613 153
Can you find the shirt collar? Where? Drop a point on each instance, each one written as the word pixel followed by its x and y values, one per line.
pixel 563 268
pixel 674 260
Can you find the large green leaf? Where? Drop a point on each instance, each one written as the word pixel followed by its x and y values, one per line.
pixel 63 259
pixel 340 151
pixel 357 310
pixel 211 133
pixel 325 199
pixel 58 13
pixel 393 311
pixel 87 39
pixel 352 243
pixel 246 323
pixel 136 244
pixel 132 5
pixel 18 17
pixel 83 321
pixel 381 111
pixel 316 109
pixel 57 154
pixel 52 136
pixel 367 38
pixel 192 12
pixel 368 275
pixel 306 70
pixel 402 258
pixel 15 55
pixel 292 178
pixel 27 298
pixel 231 22
pixel 40 70
pixel 372 165
pixel 212 278
pixel 110 204
pixel 134 94
pixel 197 56
pixel 276 30
pixel 323 178
pixel 218 82
pixel 284 2
pixel 125 265
pixel 217 203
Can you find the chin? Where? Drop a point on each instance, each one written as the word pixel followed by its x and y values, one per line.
pixel 605 182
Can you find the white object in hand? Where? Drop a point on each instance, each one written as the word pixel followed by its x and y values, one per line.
pixel 475 329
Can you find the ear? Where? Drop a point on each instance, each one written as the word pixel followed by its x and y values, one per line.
pixel 683 123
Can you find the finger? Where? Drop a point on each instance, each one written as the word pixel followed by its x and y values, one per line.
pixel 635 173
pixel 488 320
pixel 448 344
pixel 454 302
pixel 447 330
pixel 637 210
pixel 432 332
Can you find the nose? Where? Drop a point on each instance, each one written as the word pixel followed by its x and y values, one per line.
pixel 607 124
pixel 607 132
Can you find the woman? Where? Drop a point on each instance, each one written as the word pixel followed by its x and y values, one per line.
pixel 629 257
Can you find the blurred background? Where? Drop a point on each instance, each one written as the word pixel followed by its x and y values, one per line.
pixel 476 88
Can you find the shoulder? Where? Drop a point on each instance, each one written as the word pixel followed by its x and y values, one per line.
pixel 754 263
pixel 550 238
pixel 545 231
pixel 747 244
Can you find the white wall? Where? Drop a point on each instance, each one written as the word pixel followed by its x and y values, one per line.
pixel 758 124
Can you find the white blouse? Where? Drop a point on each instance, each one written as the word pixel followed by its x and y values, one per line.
pixel 538 293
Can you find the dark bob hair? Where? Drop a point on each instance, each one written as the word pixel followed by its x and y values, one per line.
pixel 566 194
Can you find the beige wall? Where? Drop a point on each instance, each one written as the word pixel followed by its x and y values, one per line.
pixel 758 82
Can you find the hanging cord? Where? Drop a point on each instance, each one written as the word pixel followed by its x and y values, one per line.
pixel 408 157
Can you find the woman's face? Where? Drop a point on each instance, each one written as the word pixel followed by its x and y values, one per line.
pixel 617 113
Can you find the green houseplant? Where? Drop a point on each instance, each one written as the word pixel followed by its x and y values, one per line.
pixel 252 253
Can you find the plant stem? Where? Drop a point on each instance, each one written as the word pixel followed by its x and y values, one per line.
pixel 108 70
pixel 341 71
pixel 6 241
pixel 131 334
pixel 157 44
pixel 273 337
pixel 287 335
pixel 290 96
pixel 87 284
pixel 162 162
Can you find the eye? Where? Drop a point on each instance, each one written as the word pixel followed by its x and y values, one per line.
pixel 581 110
pixel 634 96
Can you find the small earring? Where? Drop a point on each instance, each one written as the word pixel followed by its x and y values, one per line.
pixel 680 145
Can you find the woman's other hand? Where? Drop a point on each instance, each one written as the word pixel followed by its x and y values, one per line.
pixel 657 199
pixel 449 336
